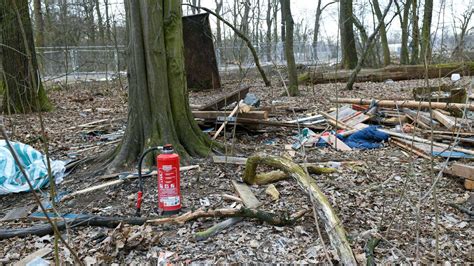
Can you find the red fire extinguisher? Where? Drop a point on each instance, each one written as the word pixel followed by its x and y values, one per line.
pixel 169 193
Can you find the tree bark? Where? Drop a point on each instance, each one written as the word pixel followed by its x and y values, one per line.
pixel 415 39
pixel 349 52
pixel 426 32
pixel 159 110
pixel 404 53
pixel 383 34
pixel 24 91
pixel 290 56
pixel 39 23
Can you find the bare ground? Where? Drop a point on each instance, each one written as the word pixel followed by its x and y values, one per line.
pixel 378 196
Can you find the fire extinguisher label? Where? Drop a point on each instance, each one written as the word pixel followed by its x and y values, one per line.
pixel 170 201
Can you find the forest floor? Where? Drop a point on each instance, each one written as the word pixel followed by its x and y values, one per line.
pixel 379 195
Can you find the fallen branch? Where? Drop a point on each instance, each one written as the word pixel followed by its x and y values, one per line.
pixel 334 228
pixel 277 219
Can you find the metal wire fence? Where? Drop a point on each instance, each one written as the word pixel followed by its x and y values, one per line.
pixel 106 62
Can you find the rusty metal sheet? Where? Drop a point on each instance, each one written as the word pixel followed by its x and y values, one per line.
pixel 200 58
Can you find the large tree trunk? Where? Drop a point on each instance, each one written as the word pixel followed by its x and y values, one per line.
pixel 348 47
pixel 383 34
pixel 415 39
pixel 290 57
pixel 23 89
pixel 426 32
pixel 158 102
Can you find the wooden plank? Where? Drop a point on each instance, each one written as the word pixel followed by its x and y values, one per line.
pixel 462 170
pixel 444 119
pixel 260 122
pixel 212 115
pixel 18 213
pixel 336 143
pixel 408 147
pixel 39 253
pixel 229 160
pixel 226 100
pixel 468 184
pixel 247 196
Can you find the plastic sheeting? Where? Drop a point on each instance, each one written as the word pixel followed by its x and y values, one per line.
pixel 34 163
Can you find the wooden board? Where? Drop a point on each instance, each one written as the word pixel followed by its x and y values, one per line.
pixel 468 184
pixel 247 196
pixel 336 143
pixel 18 213
pixel 229 160
pixel 448 122
pixel 39 253
pixel 462 170
pixel 226 100
pixel 212 115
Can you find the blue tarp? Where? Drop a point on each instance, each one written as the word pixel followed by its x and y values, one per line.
pixel 34 163
pixel 367 138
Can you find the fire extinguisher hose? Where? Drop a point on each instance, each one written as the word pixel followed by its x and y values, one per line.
pixel 140 179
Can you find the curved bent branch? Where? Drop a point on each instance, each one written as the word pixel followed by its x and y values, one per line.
pixel 332 224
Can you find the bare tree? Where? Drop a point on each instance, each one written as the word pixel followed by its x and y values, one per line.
pixel 349 52
pixel 383 34
pixel 415 39
pixel 404 20
pixel 290 57
pixel 317 22
pixel 426 31
pixel 464 30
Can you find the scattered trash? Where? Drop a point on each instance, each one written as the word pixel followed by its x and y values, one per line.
pixel 252 100
pixel 34 163
pixel 455 77
pixel 307 137
pixel 204 202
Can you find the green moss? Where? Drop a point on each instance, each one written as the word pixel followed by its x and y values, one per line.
pixel 304 78
pixel 2 87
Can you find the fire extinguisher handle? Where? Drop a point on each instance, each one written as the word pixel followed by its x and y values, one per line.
pixel 139 202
